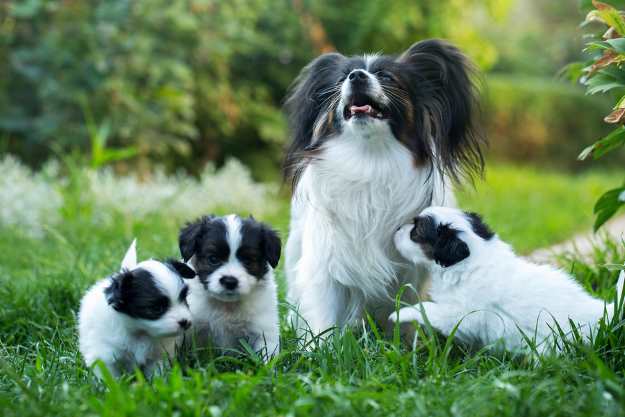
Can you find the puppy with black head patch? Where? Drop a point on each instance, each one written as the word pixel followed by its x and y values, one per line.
pixel 132 319
pixel 234 297
pixel 481 285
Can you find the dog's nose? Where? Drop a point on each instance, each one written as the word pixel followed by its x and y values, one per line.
pixel 184 323
pixel 358 77
pixel 229 283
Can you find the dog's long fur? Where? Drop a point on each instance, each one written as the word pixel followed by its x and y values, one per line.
pixel 494 296
pixel 366 157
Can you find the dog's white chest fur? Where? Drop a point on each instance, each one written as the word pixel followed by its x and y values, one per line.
pixel 346 207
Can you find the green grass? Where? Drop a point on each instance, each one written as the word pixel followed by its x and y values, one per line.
pixel 532 208
pixel 354 374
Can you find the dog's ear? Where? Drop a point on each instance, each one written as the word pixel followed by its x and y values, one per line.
pixel 114 293
pixel 479 227
pixel 130 258
pixel 449 248
pixel 446 80
pixel 272 246
pixel 190 234
pixel 184 270
pixel 308 98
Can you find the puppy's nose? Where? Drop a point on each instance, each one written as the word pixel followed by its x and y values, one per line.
pixel 228 282
pixel 184 323
pixel 358 77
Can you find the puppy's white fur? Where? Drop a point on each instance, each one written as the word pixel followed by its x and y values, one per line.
pixel 224 319
pixel 340 260
pixel 494 295
pixel 122 342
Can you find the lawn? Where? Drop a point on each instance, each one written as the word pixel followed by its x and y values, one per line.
pixel 356 373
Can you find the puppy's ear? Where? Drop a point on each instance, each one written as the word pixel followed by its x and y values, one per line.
pixel 114 293
pixel 184 270
pixel 446 80
pixel 479 227
pixel 130 258
pixel 450 249
pixel 272 246
pixel 189 236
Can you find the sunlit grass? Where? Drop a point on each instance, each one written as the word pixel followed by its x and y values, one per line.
pixel 357 373
pixel 533 208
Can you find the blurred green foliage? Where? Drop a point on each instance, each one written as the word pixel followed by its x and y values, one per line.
pixel 185 81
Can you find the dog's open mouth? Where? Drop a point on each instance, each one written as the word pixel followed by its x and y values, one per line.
pixel 360 106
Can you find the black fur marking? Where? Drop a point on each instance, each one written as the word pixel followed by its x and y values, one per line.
pixel 180 268
pixel 439 243
pixel 182 297
pixel 260 245
pixel 479 227
pixel 206 238
pixel 433 96
pixel 135 294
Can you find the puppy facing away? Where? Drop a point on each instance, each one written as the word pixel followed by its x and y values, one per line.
pixel 132 318
pixel 234 297
pixel 481 285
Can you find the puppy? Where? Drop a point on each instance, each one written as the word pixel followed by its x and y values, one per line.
pixel 234 297
pixel 131 318
pixel 494 296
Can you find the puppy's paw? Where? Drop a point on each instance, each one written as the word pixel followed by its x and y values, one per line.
pixel 407 314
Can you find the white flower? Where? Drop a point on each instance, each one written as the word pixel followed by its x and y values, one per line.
pixel 30 202
pixel 181 197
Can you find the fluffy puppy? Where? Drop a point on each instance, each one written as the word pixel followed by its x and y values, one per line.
pixel 374 140
pixel 234 297
pixel 132 318
pixel 493 295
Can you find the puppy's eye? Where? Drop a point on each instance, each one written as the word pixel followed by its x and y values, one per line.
pixel 214 260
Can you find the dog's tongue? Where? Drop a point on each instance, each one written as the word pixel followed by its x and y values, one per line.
pixel 361 109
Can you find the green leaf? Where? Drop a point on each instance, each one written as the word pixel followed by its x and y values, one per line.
pixel 618 44
pixel 614 140
pixel 611 17
pixel 607 205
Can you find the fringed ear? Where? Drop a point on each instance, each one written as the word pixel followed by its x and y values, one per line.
pixel 450 249
pixel 308 98
pixel 272 246
pixel 446 79
pixel 130 258
pixel 189 236
pixel 184 270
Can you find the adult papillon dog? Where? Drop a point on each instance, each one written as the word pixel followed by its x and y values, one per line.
pixel 375 139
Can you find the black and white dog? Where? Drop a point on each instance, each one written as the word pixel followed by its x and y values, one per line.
pixel 375 140
pixel 133 318
pixel 234 297
pixel 486 293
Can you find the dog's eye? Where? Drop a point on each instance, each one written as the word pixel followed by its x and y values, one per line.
pixel 214 260
pixel 384 76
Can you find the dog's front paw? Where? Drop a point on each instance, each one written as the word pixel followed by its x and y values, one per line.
pixel 407 314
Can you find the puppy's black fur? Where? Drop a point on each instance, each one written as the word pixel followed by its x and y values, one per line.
pixel 439 243
pixel 433 110
pixel 207 240
pixel 479 227
pixel 135 294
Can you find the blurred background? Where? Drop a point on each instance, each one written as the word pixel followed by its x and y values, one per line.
pixel 173 88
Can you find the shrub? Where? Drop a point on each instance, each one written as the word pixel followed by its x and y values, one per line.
pixel 540 120
pixel 603 73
